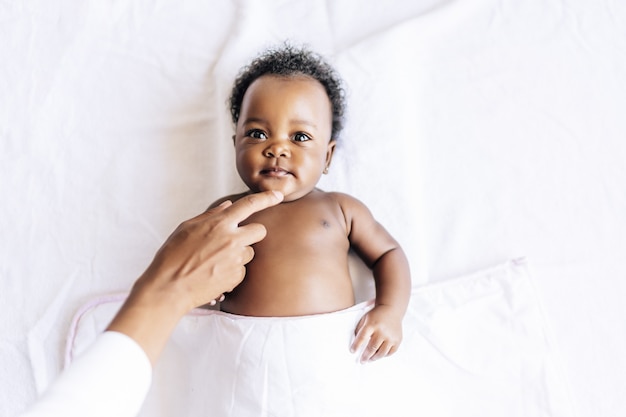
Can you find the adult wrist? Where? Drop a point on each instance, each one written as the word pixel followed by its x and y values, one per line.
pixel 171 295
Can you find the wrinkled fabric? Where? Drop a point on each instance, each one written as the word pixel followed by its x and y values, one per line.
pixel 473 346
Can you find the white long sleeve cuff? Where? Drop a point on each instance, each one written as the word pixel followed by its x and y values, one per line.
pixel 110 379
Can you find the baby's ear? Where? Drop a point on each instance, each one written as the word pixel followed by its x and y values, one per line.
pixel 331 148
pixel 329 154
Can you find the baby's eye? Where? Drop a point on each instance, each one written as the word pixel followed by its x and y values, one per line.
pixel 256 134
pixel 301 137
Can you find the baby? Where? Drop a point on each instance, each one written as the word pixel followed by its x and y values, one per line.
pixel 287 107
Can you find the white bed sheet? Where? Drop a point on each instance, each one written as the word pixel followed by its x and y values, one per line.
pixel 491 129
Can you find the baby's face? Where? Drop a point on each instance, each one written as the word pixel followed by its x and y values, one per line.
pixel 282 138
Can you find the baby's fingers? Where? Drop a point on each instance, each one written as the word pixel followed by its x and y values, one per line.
pixel 361 337
pixel 384 349
pixel 376 348
pixel 368 343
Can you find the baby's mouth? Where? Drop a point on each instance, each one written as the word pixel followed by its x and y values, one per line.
pixel 275 172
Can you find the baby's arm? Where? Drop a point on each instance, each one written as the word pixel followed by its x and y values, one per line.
pixel 380 331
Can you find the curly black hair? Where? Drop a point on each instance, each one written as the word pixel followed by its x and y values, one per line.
pixel 289 61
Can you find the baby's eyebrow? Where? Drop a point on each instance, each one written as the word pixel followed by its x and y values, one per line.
pixel 254 120
pixel 260 120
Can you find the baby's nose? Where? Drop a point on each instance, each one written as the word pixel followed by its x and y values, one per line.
pixel 277 150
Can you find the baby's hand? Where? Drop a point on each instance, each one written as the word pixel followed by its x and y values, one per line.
pixel 378 333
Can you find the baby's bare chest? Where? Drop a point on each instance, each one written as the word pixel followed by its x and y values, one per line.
pixel 301 267
pixel 316 226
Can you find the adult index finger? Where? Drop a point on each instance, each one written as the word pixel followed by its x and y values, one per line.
pixel 243 208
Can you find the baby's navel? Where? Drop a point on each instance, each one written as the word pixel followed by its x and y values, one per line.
pixel 325 224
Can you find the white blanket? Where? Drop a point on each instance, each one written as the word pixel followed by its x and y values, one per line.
pixel 474 346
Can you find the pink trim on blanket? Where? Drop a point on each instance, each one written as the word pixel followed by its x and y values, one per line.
pixel 98 301
pixel 91 304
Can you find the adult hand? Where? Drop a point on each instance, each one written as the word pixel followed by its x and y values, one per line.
pixel 203 258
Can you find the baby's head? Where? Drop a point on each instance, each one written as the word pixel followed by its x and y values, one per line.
pixel 289 61
pixel 287 107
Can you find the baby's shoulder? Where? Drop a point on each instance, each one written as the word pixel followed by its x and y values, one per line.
pixel 350 205
pixel 342 198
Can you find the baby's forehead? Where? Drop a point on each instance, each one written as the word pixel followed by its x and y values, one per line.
pixel 295 89
pixel 276 79
pixel 300 98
